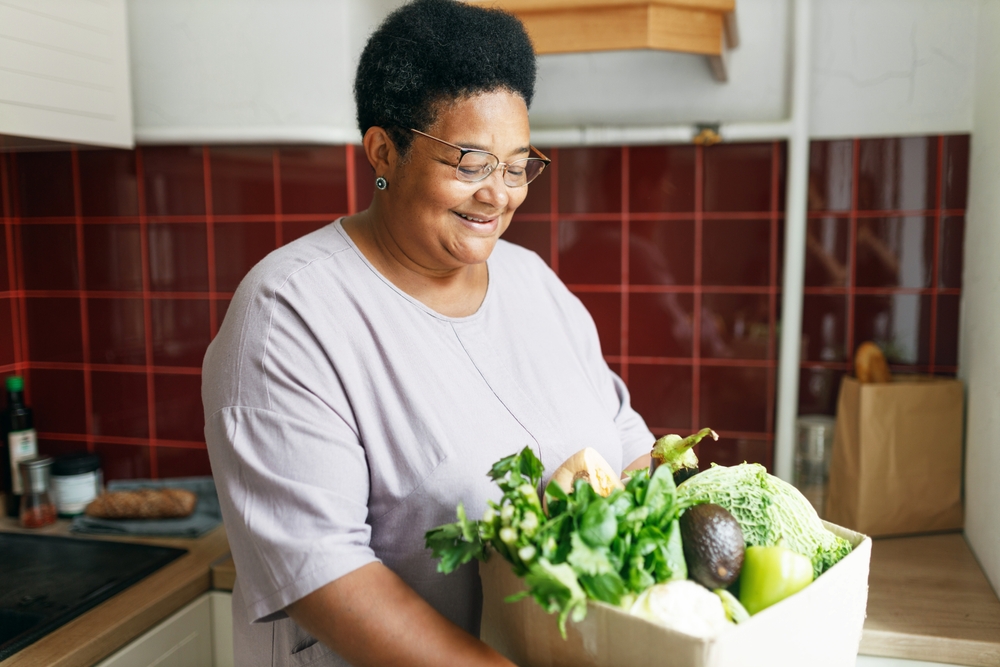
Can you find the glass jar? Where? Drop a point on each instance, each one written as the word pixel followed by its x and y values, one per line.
pixel 37 508
pixel 76 481
pixel 814 443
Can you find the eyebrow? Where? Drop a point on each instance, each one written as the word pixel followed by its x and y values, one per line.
pixel 476 147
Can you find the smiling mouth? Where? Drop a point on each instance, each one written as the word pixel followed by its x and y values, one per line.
pixel 472 219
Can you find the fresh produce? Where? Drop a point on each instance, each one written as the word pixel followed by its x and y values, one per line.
pixel 713 545
pixel 771 574
pixel 768 510
pixel 676 453
pixel 608 549
pixel 633 545
pixel 683 606
pixel 588 465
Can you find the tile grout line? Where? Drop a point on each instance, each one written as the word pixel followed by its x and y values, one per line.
pixel 121 440
pixel 21 301
pixel 213 316
pixel 554 212
pixel 8 212
pixel 88 387
pixel 699 205
pixel 352 183
pixel 625 259
pixel 935 268
pixel 278 205
pixel 147 312
pixel 772 298
pixel 122 368
pixel 852 252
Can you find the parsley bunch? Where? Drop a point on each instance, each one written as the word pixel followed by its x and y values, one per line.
pixel 585 547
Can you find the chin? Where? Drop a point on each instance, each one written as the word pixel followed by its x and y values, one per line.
pixel 475 252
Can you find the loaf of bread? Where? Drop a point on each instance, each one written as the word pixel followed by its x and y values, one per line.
pixel 143 504
pixel 870 364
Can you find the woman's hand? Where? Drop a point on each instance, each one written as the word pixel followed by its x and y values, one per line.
pixel 371 617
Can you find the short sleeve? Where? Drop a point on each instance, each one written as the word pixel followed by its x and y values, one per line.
pixel 290 468
pixel 294 498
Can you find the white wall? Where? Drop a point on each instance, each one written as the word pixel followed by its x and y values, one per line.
pixel 879 68
pixel 892 67
pixel 979 346
pixel 247 70
pixel 281 70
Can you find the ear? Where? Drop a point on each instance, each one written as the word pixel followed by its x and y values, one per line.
pixel 380 150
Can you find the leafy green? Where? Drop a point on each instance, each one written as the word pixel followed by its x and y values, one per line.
pixel 768 510
pixel 588 547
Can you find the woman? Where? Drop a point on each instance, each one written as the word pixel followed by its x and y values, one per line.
pixel 368 375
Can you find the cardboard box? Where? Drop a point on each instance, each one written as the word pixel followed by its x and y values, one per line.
pixel 820 626
pixel 897 456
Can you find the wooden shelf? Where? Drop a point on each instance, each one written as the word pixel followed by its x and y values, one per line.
pixel 704 27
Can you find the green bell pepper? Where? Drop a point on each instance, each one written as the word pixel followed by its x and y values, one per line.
pixel 771 574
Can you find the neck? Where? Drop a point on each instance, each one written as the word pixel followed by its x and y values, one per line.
pixel 455 291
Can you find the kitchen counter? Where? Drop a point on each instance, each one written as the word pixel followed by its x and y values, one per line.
pixel 116 621
pixel 928 600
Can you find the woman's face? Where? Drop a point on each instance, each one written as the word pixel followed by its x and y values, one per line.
pixel 440 222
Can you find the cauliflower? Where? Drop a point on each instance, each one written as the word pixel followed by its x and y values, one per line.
pixel 684 606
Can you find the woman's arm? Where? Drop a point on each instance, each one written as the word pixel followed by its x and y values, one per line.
pixel 638 464
pixel 371 617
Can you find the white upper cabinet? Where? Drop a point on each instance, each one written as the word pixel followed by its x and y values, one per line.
pixel 64 73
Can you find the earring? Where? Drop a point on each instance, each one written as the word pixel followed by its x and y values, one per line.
pixel 381 183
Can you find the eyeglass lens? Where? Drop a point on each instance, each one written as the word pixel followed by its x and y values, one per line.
pixel 475 166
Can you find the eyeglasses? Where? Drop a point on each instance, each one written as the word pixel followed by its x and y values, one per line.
pixel 474 165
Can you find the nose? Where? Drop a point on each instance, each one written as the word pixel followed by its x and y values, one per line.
pixel 492 190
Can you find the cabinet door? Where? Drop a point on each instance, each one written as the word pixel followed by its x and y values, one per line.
pixel 222 628
pixel 183 640
pixel 65 73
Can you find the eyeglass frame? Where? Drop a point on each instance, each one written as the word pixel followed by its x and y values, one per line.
pixel 465 151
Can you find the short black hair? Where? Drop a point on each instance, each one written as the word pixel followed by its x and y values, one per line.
pixel 432 51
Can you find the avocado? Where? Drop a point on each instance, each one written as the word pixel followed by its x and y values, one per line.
pixel 713 545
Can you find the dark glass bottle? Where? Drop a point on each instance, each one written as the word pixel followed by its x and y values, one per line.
pixel 19 442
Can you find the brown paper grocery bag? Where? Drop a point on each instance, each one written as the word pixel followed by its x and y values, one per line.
pixel 897 456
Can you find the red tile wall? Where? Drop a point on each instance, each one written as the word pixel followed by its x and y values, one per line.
pixel 116 268
pixel 676 252
pixel 883 258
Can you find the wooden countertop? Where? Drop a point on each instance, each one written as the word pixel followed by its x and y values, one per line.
pixel 929 600
pixel 99 632
pixel 224 574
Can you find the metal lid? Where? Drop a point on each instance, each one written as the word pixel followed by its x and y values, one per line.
pixel 75 464
pixel 35 474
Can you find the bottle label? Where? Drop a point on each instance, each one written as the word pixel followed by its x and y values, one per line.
pixel 74 492
pixel 21 445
